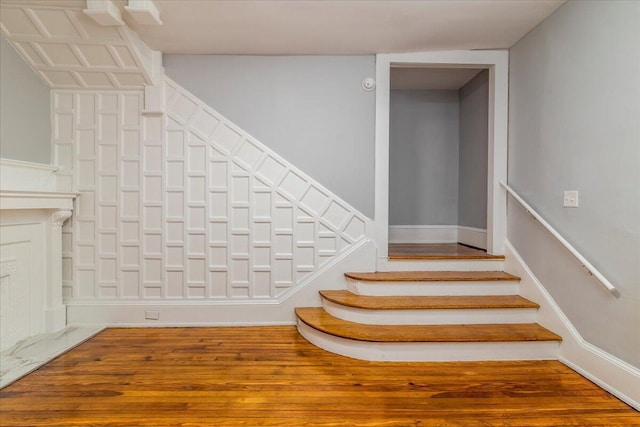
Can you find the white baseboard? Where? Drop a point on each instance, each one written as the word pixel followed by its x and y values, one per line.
pixel 476 237
pixel 224 313
pixel 609 372
pixel 423 233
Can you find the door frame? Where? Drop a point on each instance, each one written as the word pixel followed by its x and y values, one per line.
pixel 497 62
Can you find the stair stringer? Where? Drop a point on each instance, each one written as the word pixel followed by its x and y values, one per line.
pixel 609 372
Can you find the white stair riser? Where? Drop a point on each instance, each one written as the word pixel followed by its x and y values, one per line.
pixel 441 265
pixel 431 316
pixel 432 288
pixel 431 352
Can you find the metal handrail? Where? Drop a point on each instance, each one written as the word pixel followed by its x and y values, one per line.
pixel 586 264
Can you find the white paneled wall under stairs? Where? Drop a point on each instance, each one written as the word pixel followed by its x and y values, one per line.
pixel 431 315
pixel 185 208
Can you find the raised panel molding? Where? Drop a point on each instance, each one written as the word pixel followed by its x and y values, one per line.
pixel 186 206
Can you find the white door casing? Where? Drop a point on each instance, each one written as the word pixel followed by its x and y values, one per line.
pixel 497 62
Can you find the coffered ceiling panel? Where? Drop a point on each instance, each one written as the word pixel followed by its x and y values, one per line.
pixel 69 50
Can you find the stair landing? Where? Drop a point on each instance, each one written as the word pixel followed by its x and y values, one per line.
pixel 437 251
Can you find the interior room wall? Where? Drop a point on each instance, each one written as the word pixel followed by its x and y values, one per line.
pixel 573 125
pixel 423 157
pixel 25 112
pixel 311 110
pixel 473 152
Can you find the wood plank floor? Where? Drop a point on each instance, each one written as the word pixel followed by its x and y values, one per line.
pixel 436 251
pixel 270 376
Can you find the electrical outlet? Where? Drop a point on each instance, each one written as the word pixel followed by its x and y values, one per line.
pixel 570 199
pixel 151 315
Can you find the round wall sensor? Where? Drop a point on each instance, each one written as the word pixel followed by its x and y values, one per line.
pixel 368 84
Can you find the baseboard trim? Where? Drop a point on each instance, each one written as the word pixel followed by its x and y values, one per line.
pixel 606 370
pixel 476 237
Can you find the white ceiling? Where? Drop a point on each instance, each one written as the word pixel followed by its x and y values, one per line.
pixel 431 78
pixel 339 27
pixel 331 27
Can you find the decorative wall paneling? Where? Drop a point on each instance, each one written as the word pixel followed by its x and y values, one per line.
pixel 67 49
pixel 186 206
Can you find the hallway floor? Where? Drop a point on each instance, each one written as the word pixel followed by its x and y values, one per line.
pixel 271 376
pixel 436 251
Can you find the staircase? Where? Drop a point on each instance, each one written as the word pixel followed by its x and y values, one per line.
pixel 424 312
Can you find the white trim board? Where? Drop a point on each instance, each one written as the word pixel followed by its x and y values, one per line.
pixel 19 175
pixel 497 62
pixel 476 237
pixel 609 372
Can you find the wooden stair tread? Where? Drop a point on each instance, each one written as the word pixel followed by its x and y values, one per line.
pixel 445 257
pixel 432 276
pixel 320 320
pixel 350 299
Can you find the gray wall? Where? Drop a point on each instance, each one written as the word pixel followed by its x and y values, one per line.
pixel 472 166
pixel 25 119
pixel 423 157
pixel 573 125
pixel 309 109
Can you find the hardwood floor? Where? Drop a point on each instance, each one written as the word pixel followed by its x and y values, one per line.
pixel 270 376
pixel 436 251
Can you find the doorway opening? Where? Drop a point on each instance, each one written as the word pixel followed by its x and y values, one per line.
pixel 438 157
pixel 490 68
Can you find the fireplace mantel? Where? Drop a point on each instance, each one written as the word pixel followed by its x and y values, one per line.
pixel 18 199
pixel 31 219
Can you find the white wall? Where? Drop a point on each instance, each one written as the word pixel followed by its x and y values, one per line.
pixel 474 145
pixel 423 157
pixel 309 109
pixel 25 130
pixel 573 125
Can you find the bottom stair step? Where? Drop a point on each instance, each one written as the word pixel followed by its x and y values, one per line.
pixel 319 319
pixel 475 342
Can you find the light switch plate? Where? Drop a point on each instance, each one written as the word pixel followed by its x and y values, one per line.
pixel 570 199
